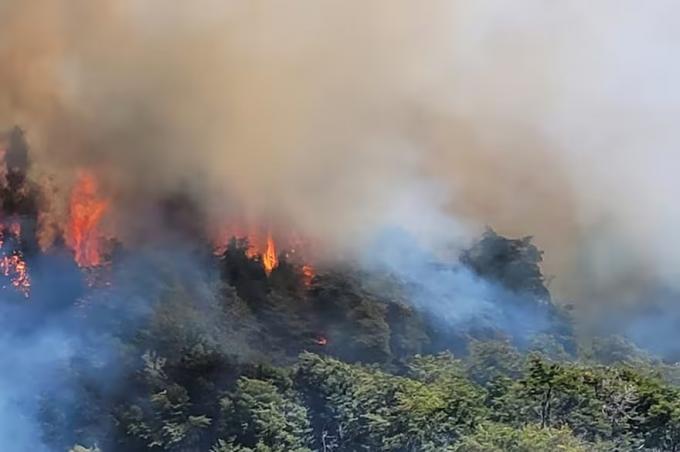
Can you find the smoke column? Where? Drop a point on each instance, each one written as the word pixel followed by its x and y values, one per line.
pixel 338 118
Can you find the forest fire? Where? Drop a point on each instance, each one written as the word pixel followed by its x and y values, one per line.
pixel 29 204
pixel 267 247
pixel 308 274
pixel 12 264
pixel 270 259
pixel 15 268
pixel 86 209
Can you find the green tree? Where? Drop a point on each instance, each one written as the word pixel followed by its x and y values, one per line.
pixel 613 350
pixel 489 360
pixel 514 263
pixel 257 415
pixel 360 407
pixel 491 437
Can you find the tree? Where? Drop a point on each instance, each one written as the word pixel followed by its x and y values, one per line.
pixel 491 437
pixel 352 318
pixel 489 360
pixel 257 415
pixel 361 407
pixel 613 350
pixel 514 263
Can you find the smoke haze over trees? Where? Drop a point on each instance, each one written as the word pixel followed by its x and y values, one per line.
pixel 185 350
pixel 320 225
pixel 553 120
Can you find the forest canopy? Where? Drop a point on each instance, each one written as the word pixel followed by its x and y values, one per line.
pixel 250 362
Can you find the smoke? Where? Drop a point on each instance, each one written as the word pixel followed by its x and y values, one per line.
pixel 336 118
pixel 452 295
pixel 38 359
pixel 233 103
pixel 64 352
pixel 571 106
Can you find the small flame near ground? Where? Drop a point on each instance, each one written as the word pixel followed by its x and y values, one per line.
pixel 12 264
pixel 86 210
pixel 15 268
pixel 308 273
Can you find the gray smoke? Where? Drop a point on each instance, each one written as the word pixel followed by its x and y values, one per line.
pixel 337 118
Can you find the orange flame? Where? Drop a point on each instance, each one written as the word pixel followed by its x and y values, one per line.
pixel 270 259
pixel 224 236
pixel 263 246
pixel 308 273
pixel 86 212
pixel 12 264
pixel 14 267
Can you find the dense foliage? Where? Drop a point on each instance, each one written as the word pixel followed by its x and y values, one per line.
pixel 249 362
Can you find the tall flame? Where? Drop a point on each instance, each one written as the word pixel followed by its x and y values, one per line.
pixel 86 210
pixel 262 246
pixel 270 259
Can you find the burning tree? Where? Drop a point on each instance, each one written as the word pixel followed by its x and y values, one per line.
pixel 86 210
